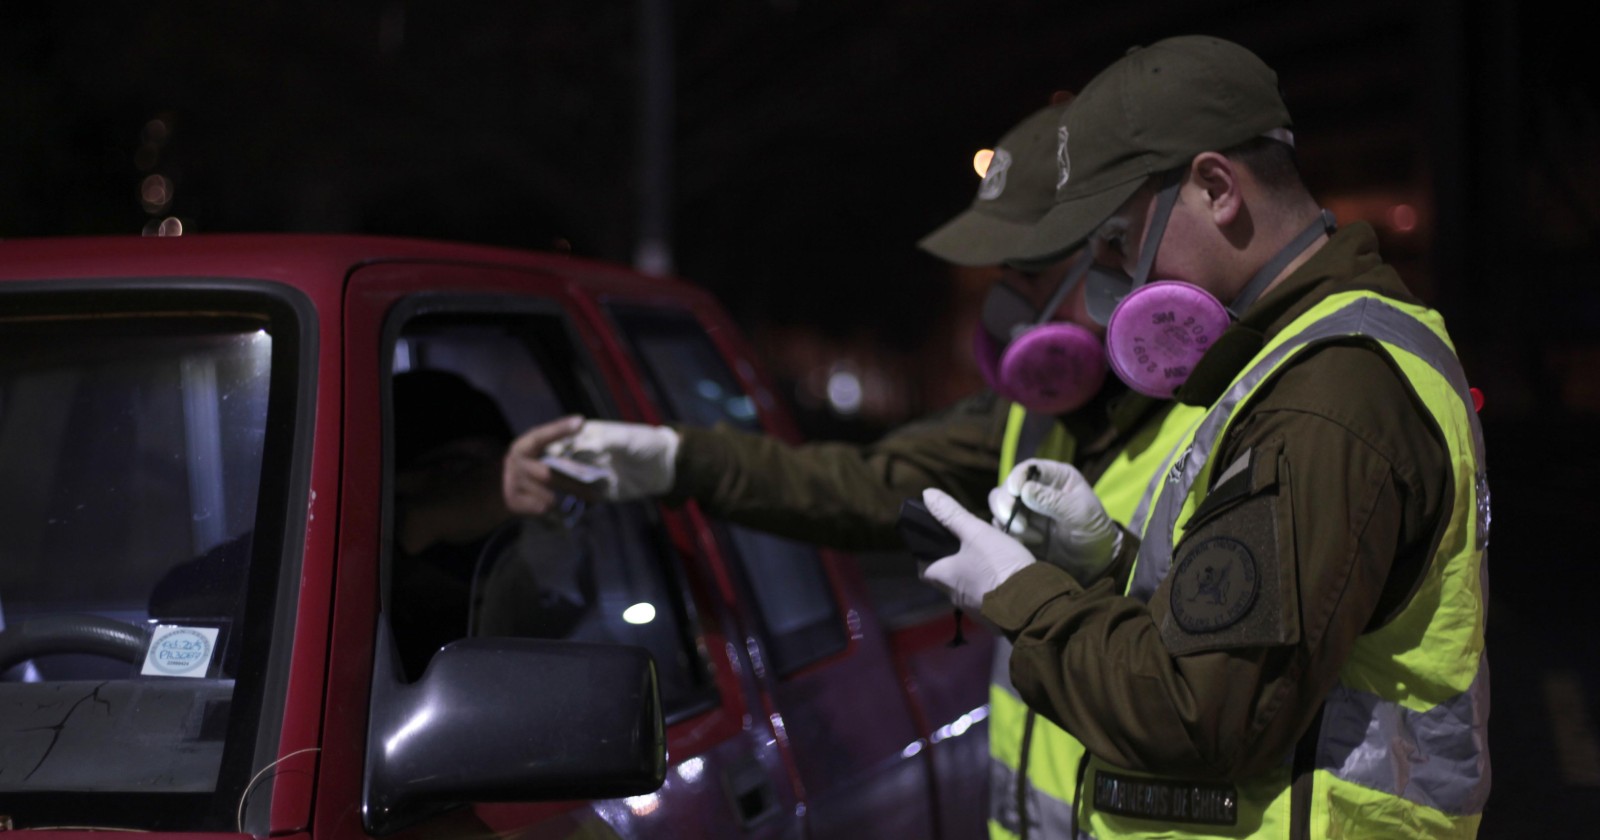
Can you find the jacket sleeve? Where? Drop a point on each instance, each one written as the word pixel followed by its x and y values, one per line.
pixel 842 495
pixel 1202 681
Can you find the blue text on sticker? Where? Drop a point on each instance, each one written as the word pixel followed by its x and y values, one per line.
pixel 178 651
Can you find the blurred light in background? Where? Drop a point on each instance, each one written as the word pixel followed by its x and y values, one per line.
pixel 980 161
pixel 1403 218
pixel 156 190
pixel 152 138
pixel 155 132
pixel 155 193
pixel 844 391
pixel 1395 211
pixel 893 384
pixel 740 408
pixel 170 226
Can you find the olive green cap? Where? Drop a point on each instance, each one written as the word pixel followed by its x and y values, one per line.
pixel 1150 112
pixel 1017 191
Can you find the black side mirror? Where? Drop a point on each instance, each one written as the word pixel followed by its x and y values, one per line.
pixel 511 720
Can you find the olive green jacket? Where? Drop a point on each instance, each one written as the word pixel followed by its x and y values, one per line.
pixel 848 496
pixel 837 494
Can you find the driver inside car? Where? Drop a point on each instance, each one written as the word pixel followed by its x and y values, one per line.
pixel 464 564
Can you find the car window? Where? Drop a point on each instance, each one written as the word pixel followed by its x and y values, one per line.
pixel 694 385
pixel 136 597
pixel 461 386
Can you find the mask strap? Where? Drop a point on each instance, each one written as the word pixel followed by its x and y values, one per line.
pixel 1324 224
pixel 1068 282
pixel 1165 200
pixel 1005 312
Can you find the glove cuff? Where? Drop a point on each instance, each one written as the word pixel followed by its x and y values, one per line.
pixel 664 453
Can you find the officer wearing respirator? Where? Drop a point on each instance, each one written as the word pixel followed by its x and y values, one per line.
pixel 1287 640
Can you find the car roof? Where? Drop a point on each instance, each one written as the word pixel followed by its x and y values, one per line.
pixel 315 263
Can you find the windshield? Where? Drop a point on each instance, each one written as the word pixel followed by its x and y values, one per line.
pixel 131 451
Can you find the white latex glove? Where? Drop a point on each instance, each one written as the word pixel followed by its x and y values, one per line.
pixel 1062 521
pixel 633 461
pixel 640 457
pixel 986 559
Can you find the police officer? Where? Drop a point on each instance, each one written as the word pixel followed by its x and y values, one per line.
pixel 1289 641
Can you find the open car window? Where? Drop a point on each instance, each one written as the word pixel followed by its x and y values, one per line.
pixel 462 384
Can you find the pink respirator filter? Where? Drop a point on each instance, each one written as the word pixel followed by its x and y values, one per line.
pixel 1158 333
pixel 1054 368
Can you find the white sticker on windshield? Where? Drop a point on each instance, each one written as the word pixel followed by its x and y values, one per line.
pixel 177 651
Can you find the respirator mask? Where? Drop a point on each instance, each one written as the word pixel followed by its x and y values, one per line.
pixel 1046 366
pixel 1156 331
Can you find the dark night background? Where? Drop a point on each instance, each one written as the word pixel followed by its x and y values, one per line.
pixel 808 145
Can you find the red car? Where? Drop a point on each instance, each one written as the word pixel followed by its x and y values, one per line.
pixel 254 579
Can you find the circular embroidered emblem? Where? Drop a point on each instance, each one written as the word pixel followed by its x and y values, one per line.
pixel 1215 585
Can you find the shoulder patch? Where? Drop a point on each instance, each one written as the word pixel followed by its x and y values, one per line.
pixel 1234 582
pixel 1215 585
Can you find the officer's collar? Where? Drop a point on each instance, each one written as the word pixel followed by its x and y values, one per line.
pixel 1212 374
pixel 1351 249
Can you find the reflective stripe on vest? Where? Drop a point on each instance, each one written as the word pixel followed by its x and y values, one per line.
pixel 1367 317
pixel 1405 727
pixel 1384 746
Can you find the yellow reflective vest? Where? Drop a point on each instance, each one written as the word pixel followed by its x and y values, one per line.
pixel 1401 747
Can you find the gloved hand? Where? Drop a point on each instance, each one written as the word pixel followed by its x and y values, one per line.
pixel 1062 522
pixel 986 559
pixel 639 457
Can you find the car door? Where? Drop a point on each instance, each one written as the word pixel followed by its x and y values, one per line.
pixel 825 661
pixel 504 341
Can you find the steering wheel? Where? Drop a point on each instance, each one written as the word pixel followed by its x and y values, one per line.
pixel 80 633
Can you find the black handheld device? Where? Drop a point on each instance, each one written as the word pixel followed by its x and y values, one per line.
pixel 576 478
pixel 928 541
pixel 924 536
